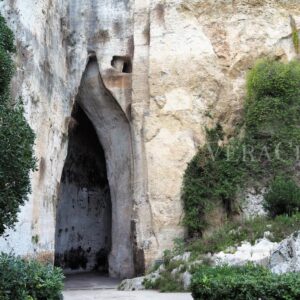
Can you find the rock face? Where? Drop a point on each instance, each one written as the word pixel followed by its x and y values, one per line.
pixel 162 71
pixel 259 254
pixel 286 257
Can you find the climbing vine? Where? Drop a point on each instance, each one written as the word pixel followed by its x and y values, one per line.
pixel 16 139
pixel 295 35
pixel 267 145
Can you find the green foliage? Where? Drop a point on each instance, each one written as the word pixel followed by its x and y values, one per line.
pixel 6 63
pixel 179 246
pixel 283 197
pixel 16 159
pixel 6 70
pixel 296 43
pixel 28 280
pixel 17 139
pixel 210 179
pixel 274 79
pixel 165 283
pixel 6 37
pixel 220 172
pixel 240 283
pixel 233 233
pixel 295 35
pixel 168 281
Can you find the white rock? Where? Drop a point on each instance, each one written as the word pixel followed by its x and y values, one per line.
pixel 184 257
pixel 186 279
pixel 259 253
pixel 253 205
pixel 286 256
pixel 135 284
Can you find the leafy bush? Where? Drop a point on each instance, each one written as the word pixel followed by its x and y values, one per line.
pixel 240 283
pixel 17 139
pixel 22 279
pixel 283 197
pixel 264 148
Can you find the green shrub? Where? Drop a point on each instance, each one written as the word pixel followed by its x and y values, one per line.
pixel 165 283
pixel 275 79
pixel 17 139
pixel 240 283
pixel 22 279
pixel 264 146
pixel 283 197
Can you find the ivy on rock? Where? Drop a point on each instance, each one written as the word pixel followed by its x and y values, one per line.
pixel 266 146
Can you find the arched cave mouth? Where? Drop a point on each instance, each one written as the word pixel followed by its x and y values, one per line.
pixel 84 213
pixel 94 220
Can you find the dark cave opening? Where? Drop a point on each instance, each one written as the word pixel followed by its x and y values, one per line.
pixel 84 217
pixel 122 63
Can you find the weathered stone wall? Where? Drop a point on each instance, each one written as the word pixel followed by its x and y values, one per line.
pixel 199 54
pixel 188 60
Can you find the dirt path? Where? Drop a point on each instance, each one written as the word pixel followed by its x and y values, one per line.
pixel 95 287
pixel 115 295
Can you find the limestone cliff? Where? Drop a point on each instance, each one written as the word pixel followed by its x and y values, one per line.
pixel 161 71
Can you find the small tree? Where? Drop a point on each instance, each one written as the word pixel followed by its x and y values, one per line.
pixel 16 140
pixel 283 198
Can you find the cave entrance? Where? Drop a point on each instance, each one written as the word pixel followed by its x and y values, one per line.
pixel 94 227
pixel 83 227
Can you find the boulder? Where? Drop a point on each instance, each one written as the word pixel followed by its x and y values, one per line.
pixel 135 284
pixel 286 256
